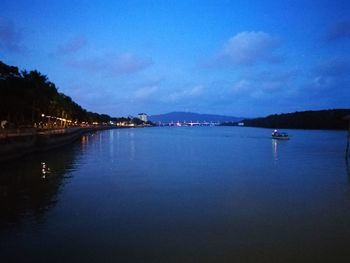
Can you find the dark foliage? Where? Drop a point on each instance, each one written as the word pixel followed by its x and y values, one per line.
pixel 323 119
pixel 25 96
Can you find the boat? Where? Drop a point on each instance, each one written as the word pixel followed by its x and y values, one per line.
pixel 280 135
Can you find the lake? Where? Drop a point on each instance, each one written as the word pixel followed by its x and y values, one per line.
pixel 180 194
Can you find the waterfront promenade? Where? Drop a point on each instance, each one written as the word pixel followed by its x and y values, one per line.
pixel 15 143
pixel 8 133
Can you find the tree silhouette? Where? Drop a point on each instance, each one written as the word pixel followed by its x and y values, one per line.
pixel 28 98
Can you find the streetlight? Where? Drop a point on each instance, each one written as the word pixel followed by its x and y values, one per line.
pixel 43 120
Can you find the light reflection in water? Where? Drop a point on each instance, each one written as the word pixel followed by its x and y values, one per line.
pixel 45 170
pixel 275 149
pixel 84 139
pixel 31 186
pixel 84 142
pixel 132 144
pixel 111 144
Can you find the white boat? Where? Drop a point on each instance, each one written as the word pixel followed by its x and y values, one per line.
pixel 280 135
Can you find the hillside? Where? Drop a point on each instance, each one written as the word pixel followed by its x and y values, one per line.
pixel 191 116
pixel 322 119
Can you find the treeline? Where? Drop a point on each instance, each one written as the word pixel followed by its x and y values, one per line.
pixel 26 97
pixel 323 119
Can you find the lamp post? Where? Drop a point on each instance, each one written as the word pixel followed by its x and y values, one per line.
pixel 42 120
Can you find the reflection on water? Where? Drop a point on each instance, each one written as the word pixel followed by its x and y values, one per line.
pixel 84 140
pixel 132 145
pixel 275 149
pixel 206 194
pixel 45 170
pixel 111 144
pixel 30 186
pixel 277 146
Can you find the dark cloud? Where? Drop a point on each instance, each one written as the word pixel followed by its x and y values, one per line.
pixel 10 36
pixel 339 30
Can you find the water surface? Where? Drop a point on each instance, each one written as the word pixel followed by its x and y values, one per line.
pixel 188 194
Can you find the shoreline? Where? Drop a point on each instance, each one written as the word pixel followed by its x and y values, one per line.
pixel 14 146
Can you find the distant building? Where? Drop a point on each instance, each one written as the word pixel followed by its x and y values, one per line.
pixel 143 117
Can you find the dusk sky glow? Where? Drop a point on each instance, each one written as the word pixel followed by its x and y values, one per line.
pixel 240 58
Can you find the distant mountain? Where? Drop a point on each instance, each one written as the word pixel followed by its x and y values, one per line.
pixel 191 116
pixel 322 119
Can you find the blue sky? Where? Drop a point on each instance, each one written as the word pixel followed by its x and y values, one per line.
pixel 241 58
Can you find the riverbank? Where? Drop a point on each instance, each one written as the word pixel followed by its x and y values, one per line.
pixel 16 145
pixel 306 120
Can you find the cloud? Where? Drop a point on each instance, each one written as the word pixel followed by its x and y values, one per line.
pixel 185 94
pixel 72 46
pixel 325 85
pixel 250 88
pixel 259 85
pixel 126 63
pixel 330 76
pixel 339 30
pixel 10 36
pixel 129 63
pixel 242 86
pixel 248 48
pixel 145 92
